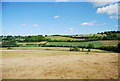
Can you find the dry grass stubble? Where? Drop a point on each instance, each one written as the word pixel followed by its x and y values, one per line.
pixel 69 65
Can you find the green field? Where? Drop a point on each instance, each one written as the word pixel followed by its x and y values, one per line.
pixel 95 43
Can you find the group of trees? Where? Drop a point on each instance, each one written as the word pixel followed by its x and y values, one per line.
pixel 38 38
pixel 108 32
pixel 111 48
pixel 76 48
pixel 111 35
pixel 10 44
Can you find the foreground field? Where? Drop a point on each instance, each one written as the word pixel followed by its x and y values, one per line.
pixel 51 64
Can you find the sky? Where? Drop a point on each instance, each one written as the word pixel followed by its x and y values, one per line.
pixel 60 17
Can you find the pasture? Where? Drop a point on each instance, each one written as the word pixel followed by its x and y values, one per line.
pixel 58 63
pixel 95 43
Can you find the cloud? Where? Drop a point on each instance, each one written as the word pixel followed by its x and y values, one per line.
pixel 55 17
pixel 110 9
pixel 102 1
pixel 71 29
pixel 36 25
pixel 114 17
pixel 117 25
pixel 99 4
pixel 88 23
pixel 24 24
pixel 61 0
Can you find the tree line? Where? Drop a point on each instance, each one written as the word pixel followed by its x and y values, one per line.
pixel 110 35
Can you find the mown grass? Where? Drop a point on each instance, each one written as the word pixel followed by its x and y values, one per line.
pixel 39 48
pixel 42 64
pixel 30 53
pixel 64 49
pixel 95 43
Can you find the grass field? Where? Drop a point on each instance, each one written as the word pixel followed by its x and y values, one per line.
pixel 61 38
pixel 54 48
pixel 91 35
pixel 0 64
pixel 110 42
pixel 95 43
pixel 59 62
pixel 24 43
pixel 52 64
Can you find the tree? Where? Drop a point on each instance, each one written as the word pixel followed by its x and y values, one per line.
pixel 9 44
pixel 89 50
pixel 82 48
pixel 118 48
pixel 74 49
pixel 45 35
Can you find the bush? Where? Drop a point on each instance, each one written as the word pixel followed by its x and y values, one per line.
pixel 74 49
pixel 89 50
pixel 111 48
pixel 90 46
pixel 9 44
pixel 82 49
pixel 9 48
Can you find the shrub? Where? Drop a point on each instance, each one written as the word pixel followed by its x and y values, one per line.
pixel 111 48
pixel 90 46
pixel 89 50
pixel 9 48
pixel 9 44
pixel 74 49
pixel 82 48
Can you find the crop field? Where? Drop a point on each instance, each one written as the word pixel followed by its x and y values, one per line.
pixel 110 42
pixel 24 43
pixel 53 64
pixel 61 38
pixel 95 43
pixel 90 35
